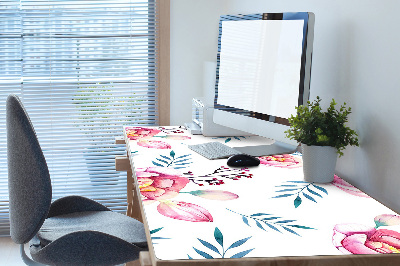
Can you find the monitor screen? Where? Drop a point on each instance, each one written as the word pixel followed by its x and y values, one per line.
pixel 255 65
pixel 263 71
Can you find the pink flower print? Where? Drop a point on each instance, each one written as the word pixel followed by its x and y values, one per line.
pixel 177 137
pixel 361 239
pixel 153 144
pixel 135 133
pixel 160 183
pixel 386 220
pixel 184 211
pixel 346 187
pixel 283 161
pixel 214 194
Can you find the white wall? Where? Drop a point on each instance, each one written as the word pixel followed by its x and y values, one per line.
pixel 194 41
pixel 356 59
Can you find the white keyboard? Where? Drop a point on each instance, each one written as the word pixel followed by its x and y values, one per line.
pixel 213 150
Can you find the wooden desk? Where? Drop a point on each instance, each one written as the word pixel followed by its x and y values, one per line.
pixel 198 211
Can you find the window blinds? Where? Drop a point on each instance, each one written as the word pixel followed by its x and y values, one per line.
pixel 82 69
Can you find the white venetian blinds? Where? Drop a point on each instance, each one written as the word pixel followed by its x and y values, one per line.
pixel 82 69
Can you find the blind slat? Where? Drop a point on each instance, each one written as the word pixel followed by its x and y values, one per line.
pixel 82 69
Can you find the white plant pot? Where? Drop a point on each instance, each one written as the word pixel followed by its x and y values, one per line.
pixel 319 163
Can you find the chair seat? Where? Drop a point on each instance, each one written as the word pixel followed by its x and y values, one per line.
pixel 108 222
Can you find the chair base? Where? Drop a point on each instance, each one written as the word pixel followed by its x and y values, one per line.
pixel 26 259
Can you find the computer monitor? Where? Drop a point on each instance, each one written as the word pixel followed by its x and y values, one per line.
pixel 263 72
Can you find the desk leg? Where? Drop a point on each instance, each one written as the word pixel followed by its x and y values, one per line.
pixel 133 198
pixel 129 192
pixel 133 210
pixel 133 263
pixel 144 260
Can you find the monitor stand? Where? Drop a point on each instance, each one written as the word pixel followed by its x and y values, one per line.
pixel 272 149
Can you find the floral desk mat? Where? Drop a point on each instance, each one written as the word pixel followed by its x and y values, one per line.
pixel 202 209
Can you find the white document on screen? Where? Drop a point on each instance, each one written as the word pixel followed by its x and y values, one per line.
pixel 260 65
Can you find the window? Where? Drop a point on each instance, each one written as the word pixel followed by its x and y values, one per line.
pixel 82 69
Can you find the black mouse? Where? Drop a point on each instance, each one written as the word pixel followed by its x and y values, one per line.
pixel 242 160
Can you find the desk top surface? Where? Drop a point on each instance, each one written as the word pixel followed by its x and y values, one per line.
pixel 197 208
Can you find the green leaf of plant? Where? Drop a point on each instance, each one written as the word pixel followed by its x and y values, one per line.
pixel 272 227
pixel 321 188
pixel 290 230
pixel 288 189
pixel 259 225
pixel 313 192
pixel 238 243
pixel 166 157
pixel 155 230
pixel 270 218
pixel 283 195
pixel 182 156
pixel 209 245
pixel 299 226
pixel 163 161
pixel 227 140
pixel 172 153
pixel 203 254
pixel 219 237
pixel 241 254
pixel 158 238
pixel 183 160
pixel 259 214
pixel 297 202
pixel 285 221
pixel 157 164
pixel 309 197
pixel 313 126
pixel 245 220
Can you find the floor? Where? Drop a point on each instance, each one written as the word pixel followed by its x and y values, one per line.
pixel 9 253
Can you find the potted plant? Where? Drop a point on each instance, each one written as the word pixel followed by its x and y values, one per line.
pixel 100 106
pixel 323 135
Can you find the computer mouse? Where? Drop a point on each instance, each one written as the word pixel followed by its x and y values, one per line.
pixel 242 160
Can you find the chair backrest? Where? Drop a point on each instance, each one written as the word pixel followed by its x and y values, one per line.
pixel 29 183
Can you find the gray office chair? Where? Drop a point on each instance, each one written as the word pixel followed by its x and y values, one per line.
pixel 70 231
